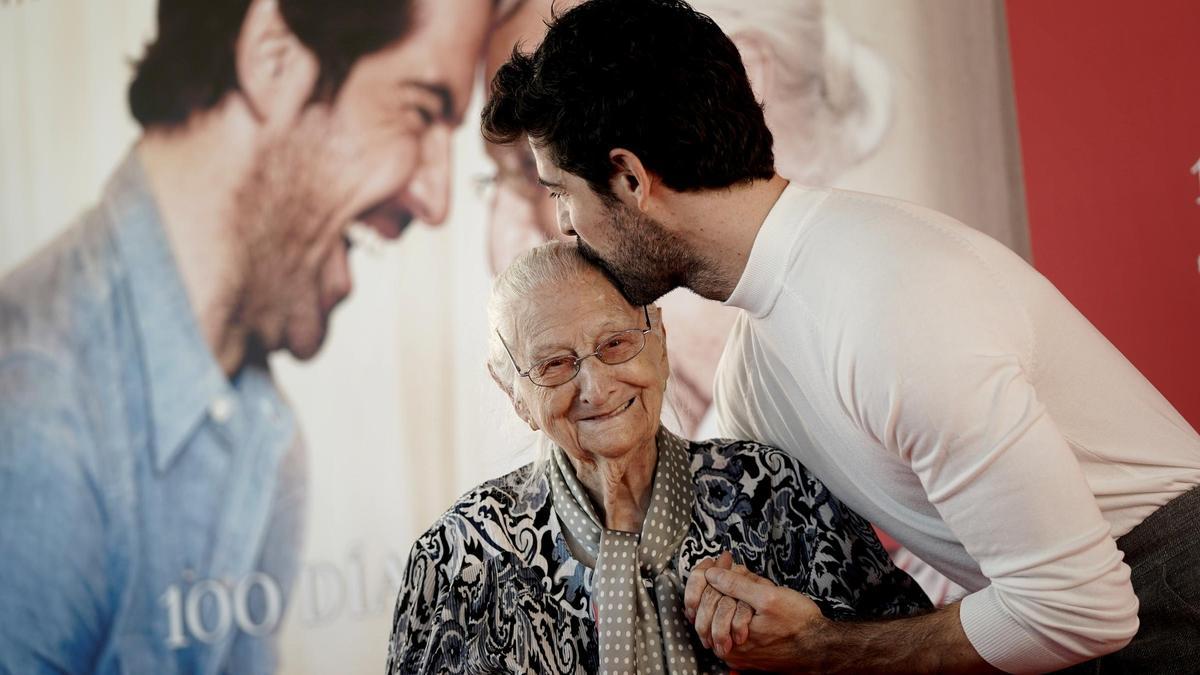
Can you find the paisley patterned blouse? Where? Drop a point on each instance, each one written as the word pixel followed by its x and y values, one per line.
pixel 493 586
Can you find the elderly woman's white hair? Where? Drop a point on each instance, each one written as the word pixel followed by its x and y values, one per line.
pixel 827 98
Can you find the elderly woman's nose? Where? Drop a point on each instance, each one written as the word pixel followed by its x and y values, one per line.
pixel 596 381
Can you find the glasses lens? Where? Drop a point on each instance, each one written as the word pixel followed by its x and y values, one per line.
pixel 621 347
pixel 553 371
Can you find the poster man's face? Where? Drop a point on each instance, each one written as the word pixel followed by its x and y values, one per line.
pixel 378 154
pixel 520 214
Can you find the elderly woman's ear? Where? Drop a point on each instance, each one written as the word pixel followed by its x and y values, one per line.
pixel 656 320
pixel 506 387
pixel 518 404
pixel 523 412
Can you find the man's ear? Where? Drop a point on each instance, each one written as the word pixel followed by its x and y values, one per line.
pixel 518 404
pixel 631 182
pixel 276 73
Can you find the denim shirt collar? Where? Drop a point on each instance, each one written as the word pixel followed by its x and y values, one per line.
pixel 181 374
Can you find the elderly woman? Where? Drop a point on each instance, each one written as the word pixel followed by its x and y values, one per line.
pixel 579 561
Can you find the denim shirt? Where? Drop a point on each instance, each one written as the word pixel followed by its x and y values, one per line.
pixel 150 507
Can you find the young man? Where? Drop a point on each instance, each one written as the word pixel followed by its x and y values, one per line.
pixel 151 476
pixel 937 383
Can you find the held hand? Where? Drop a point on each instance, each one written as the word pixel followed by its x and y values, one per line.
pixel 781 623
pixel 721 622
pixel 694 592
pixel 730 619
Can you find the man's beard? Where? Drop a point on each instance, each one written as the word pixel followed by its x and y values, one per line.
pixel 646 261
pixel 280 220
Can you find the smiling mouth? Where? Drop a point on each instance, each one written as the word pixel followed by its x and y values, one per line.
pixel 387 220
pixel 607 416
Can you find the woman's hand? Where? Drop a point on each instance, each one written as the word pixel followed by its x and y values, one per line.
pixel 721 622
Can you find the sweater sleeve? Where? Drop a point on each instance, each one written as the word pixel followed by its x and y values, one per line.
pixel 942 374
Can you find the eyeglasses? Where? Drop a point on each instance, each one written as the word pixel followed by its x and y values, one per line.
pixel 617 348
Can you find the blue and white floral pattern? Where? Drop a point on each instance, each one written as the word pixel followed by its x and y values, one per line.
pixel 492 586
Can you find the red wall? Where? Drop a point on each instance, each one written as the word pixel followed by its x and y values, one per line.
pixel 1108 104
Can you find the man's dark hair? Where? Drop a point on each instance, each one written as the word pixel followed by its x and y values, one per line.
pixel 191 64
pixel 655 77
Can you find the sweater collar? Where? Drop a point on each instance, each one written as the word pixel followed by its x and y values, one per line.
pixel 773 249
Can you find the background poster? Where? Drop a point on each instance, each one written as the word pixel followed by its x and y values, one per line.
pixel 910 98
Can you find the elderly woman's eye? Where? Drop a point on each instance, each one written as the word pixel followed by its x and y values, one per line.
pixel 618 347
pixel 555 367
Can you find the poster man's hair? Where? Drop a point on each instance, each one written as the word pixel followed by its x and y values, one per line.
pixel 191 63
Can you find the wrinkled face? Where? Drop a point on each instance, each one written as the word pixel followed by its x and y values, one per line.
pixel 520 215
pixel 607 410
pixel 645 258
pixel 378 154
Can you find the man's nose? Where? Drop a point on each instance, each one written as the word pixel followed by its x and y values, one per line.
pixel 429 190
pixel 564 219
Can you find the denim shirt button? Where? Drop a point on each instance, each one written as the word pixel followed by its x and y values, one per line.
pixel 221 409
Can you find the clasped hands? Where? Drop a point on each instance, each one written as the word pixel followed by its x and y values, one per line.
pixel 748 621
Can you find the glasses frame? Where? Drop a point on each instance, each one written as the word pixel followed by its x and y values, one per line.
pixel 580 359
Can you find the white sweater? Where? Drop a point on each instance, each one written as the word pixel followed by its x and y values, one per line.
pixel 950 394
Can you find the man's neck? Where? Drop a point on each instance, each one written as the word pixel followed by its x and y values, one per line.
pixel 721 226
pixel 194 174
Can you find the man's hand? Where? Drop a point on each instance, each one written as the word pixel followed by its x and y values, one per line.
pixel 778 619
pixel 787 632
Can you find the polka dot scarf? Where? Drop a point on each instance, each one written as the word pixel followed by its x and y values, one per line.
pixel 637 633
